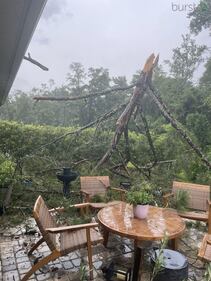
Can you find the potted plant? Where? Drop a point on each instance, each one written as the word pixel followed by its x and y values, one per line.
pixel 140 199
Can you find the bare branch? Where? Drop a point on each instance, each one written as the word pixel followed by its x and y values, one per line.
pixel 35 62
pixel 148 135
pixel 103 93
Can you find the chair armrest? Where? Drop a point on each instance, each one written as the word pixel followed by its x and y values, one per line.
pixel 71 227
pixel 166 198
pixel 121 191
pixel 55 210
pixel 81 205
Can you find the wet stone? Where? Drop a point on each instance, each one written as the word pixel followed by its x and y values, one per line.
pixel 7 256
pixel 20 254
pixel 23 259
pixel 65 258
pixel 56 266
pixel 97 264
pixel 73 255
pixel 24 267
pixel 43 276
pixel 10 267
pixel 67 265
pixel 8 261
pixel 11 276
pixel 44 249
pixel 7 250
pixel 76 262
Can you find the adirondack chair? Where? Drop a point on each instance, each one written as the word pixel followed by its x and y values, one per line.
pixel 199 201
pixel 98 185
pixel 61 240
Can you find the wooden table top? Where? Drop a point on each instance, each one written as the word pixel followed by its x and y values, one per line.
pixel 119 219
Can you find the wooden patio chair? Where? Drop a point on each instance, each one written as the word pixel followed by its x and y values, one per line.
pixel 61 240
pixel 205 249
pixel 98 185
pixel 199 201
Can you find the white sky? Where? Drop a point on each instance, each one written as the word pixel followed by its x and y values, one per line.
pixel 115 34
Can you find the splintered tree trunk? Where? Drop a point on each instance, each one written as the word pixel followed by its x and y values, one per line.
pixel 138 93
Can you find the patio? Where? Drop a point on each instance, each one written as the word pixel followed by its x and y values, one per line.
pixel 14 261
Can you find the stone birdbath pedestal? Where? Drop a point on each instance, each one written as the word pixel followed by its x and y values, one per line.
pixel 67 176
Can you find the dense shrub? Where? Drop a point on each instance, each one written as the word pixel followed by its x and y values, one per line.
pixel 34 150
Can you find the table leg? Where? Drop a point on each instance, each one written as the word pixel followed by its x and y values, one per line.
pixel 105 237
pixel 137 260
pixel 173 244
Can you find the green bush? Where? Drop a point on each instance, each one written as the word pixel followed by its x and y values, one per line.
pixel 7 169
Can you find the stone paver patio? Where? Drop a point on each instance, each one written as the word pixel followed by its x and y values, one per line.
pixel 14 261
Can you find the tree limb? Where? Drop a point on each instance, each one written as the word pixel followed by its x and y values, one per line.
pixel 124 118
pixel 78 131
pixel 103 93
pixel 35 62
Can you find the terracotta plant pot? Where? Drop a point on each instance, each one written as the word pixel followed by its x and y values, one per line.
pixel 141 211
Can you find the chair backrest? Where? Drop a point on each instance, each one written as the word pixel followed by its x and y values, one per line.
pixel 44 220
pixel 95 185
pixel 198 194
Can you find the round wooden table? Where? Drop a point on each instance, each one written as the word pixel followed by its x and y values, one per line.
pixel 119 219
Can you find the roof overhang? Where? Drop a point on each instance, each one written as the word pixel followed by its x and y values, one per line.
pixel 18 20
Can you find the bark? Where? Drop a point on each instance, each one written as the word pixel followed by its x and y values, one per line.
pixel 103 93
pixel 35 62
pixel 124 118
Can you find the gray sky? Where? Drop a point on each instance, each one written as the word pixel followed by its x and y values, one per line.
pixel 115 34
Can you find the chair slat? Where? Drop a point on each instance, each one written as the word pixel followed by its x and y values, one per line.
pixel 198 194
pixel 73 240
pixel 95 185
pixel 45 220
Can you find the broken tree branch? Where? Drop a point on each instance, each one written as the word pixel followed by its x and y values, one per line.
pixel 103 93
pixel 124 118
pixel 78 131
pixel 148 135
pixel 29 58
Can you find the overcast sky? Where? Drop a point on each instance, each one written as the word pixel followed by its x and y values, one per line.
pixel 115 34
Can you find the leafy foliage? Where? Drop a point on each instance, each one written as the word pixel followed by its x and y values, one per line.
pixel 201 17
pixel 140 194
pixel 186 58
pixel 139 198
pixel 159 261
pixel 207 274
pixel 7 168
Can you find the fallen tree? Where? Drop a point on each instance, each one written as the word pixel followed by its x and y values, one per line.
pixel 143 86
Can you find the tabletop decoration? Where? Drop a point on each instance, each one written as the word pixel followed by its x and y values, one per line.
pixel 140 199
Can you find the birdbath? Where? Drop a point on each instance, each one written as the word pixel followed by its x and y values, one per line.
pixel 67 177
